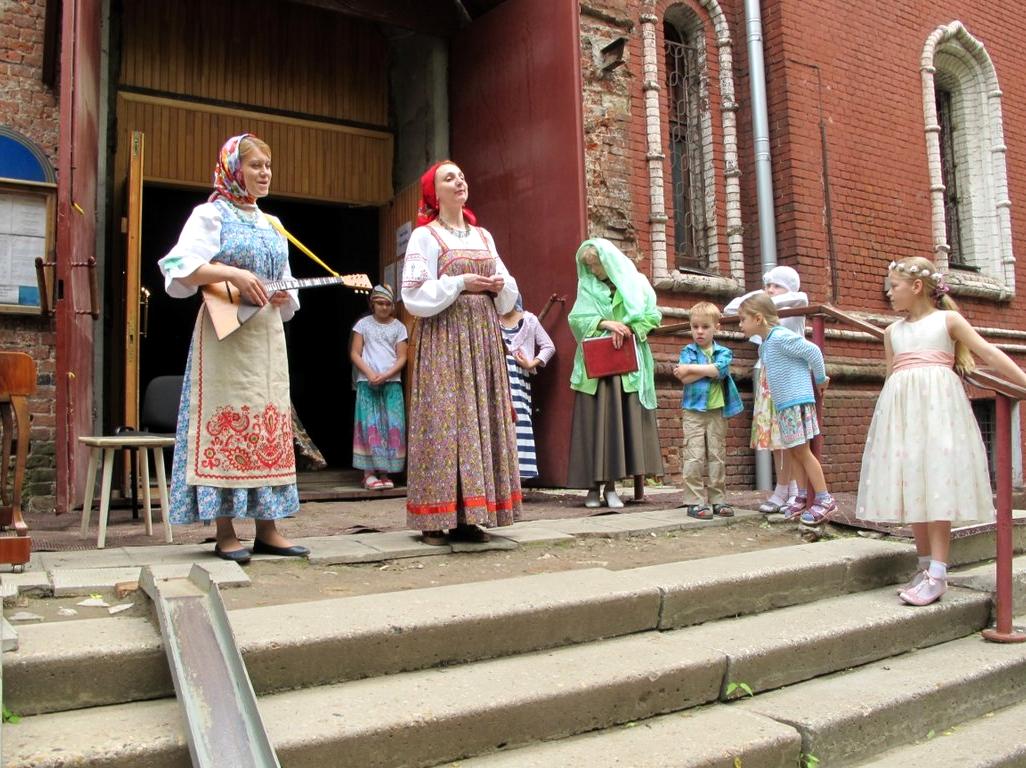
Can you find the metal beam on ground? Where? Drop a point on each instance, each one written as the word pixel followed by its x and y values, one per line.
pixel 210 678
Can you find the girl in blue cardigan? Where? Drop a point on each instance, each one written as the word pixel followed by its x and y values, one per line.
pixel 787 359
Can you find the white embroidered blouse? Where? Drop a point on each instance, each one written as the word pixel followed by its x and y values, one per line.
pixel 198 244
pixel 425 293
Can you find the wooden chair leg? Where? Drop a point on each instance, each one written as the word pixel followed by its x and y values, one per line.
pixel 87 500
pixel 108 474
pixel 147 509
pixel 165 508
pixel 7 419
pixel 21 416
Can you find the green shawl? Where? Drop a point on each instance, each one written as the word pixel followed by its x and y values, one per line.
pixel 633 303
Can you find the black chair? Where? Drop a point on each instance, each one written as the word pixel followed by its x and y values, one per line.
pixel 157 416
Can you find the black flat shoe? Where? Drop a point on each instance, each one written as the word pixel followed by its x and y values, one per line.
pixel 469 534
pixel 263 548
pixel 240 556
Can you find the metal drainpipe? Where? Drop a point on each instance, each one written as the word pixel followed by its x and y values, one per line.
pixel 763 183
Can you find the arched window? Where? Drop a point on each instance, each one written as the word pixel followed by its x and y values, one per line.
pixel 694 185
pixel 22 160
pixel 972 234
pixel 692 200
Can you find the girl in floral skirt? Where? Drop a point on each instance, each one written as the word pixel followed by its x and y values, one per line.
pixel 783 284
pixel 378 352
pixel 787 359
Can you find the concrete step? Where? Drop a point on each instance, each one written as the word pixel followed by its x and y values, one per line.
pixel 849 717
pixel 329 641
pixel 717 736
pixel 984 579
pixel 993 741
pixel 428 717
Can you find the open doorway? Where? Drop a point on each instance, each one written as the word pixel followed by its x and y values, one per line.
pixel 346 238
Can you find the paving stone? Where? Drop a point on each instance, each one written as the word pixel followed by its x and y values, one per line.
pixel 526 534
pixel 36 583
pixel 336 550
pixel 583 527
pixel 8 635
pixel 114 557
pixel 83 581
pixel 399 544
pixel 497 543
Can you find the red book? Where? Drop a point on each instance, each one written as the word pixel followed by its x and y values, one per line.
pixel 601 359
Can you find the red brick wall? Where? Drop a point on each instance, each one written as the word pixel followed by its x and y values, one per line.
pixel 856 67
pixel 30 107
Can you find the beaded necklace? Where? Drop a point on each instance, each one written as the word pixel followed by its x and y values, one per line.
pixel 460 233
pixel 247 214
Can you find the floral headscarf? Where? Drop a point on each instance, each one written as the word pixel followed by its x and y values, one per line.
pixel 428 210
pixel 229 182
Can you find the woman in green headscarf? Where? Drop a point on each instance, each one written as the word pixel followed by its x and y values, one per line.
pixel 614 432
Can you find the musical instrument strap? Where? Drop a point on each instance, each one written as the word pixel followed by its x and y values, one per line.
pixel 278 226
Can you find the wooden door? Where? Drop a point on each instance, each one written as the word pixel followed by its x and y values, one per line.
pixel 76 305
pixel 136 297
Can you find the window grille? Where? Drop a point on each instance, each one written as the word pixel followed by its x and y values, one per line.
pixel 985 413
pixel 949 177
pixel 685 75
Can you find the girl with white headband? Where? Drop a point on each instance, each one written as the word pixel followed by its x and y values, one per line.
pixel 924 463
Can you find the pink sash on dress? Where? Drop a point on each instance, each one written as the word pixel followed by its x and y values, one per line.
pixel 921 359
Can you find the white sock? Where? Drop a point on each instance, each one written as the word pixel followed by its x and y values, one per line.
pixel 939 570
pixel 792 489
pixel 779 494
pixel 924 562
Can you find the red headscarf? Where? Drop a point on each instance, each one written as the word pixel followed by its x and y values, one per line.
pixel 428 210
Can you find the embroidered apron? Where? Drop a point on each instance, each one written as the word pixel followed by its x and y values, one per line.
pixel 240 422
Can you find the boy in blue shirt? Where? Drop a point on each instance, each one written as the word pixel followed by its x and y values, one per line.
pixel 710 398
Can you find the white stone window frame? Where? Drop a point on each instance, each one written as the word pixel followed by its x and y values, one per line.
pixel 665 275
pixel 962 65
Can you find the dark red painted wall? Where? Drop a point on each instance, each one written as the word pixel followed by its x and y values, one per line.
pixel 517 132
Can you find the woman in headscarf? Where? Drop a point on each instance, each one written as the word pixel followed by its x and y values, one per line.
pixel 377 351
pixel 462 445
pixel 234 456
pixel 614 432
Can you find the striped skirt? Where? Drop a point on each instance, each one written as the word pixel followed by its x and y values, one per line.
pixel 520 391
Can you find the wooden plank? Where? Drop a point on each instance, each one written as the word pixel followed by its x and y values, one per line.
pixel 133 281
pixel 304 150
pixel 295 59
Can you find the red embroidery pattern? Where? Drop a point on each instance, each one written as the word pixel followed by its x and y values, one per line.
pixel 244 442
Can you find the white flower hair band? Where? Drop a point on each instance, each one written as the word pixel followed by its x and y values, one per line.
pixel 913 270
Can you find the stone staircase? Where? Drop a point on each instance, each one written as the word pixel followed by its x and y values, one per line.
pixel 798 656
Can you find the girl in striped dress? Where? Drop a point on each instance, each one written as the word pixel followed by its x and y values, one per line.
pixel 528 348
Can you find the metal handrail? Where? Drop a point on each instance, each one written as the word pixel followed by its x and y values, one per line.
pixel 1005 393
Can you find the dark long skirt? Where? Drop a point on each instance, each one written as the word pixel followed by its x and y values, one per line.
pixel 613 437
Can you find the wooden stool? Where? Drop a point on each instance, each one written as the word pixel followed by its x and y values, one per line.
pixel 108 445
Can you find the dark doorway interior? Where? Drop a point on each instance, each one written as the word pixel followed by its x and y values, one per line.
pixel 345 238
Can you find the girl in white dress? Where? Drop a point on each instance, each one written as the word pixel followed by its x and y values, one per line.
pixel 924 463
